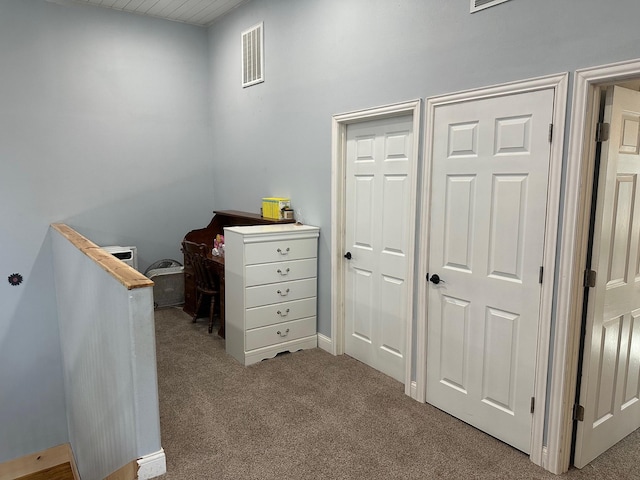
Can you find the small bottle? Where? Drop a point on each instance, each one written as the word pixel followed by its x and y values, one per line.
pixel 287 213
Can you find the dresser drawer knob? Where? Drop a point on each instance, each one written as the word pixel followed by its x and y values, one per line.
pixel 283 294
pixel 286 272
pixel 286 332
pixel 283 252
pixel 286 312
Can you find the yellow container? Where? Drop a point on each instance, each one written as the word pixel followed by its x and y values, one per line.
pixel 272 207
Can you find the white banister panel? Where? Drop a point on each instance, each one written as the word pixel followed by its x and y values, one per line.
pixel 105 316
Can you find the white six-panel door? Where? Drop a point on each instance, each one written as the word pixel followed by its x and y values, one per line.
pixel 378 198
pixel 610 389
pixel 489 180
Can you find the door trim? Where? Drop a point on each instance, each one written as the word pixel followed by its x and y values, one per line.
pixel 559 84
pixel 572 259
pixel 338 169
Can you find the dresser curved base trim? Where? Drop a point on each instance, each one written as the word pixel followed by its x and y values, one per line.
pixel 264 353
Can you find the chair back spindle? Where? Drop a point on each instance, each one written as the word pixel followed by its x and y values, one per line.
pixel 206 280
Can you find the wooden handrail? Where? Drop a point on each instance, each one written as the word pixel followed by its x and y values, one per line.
pixel 119 270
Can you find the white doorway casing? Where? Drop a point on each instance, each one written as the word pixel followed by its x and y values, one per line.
pixel 339 151
pixel 558 85
pixel 572 259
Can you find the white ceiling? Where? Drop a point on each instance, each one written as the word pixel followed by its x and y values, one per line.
pixel 195 12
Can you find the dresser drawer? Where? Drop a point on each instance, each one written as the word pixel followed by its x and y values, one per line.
pixel 281 332
pixel 279 312
pixel 280 271
pixel 280 250
pixel 280 292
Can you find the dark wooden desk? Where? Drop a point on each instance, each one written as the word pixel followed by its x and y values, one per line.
pixel 221 219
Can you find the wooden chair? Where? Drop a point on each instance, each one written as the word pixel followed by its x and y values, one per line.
pixel 207 282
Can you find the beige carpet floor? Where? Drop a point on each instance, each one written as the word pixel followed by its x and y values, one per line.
pixel 310 415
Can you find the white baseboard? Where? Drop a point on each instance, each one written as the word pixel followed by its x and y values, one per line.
pixel 414 390
pixel 325 343
pixel 152 465
pixel 544 463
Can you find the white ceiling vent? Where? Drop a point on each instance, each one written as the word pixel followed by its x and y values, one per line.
pixel 482 4
pixel 253 56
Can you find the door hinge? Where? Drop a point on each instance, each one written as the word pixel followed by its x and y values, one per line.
pixel 550 132
pixel 533 404
pixel 578 412
pixel 602 132
pixel 589 278
pixel 540 274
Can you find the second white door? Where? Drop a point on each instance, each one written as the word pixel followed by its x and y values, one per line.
pixel 610 389
pixel 490 169
pixel 379 193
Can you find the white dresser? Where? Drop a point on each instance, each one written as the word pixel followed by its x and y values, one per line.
pixel 270 290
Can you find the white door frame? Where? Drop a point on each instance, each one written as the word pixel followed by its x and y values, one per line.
pixel 338 169
pixel 559 84
pixel 572 260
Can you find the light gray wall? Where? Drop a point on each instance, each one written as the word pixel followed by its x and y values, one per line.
pixel 325 57
pixel 104 125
